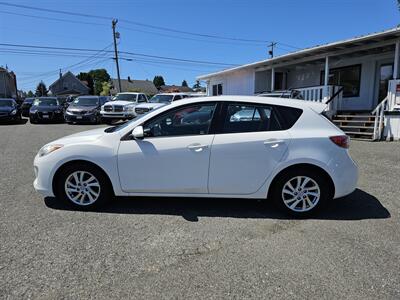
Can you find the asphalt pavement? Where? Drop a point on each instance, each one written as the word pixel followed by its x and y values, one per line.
pixel 162 248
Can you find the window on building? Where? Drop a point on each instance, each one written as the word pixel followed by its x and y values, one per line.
pixel 217 89
pixel 349 77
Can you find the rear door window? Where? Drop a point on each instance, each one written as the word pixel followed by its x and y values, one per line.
pixel 249 118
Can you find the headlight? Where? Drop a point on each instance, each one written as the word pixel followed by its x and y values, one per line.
pixel 14 112
pixel 129 108
pixel 89 112
pixel 48 149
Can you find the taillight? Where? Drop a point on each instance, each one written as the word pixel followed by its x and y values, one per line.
pixel 341 140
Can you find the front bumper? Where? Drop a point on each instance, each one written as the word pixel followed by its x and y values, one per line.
pixel 81 118
pixel 117 115
pixel 47 117
pixel 42 183
pixel 8 118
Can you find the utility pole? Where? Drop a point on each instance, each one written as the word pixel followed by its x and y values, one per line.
pixel 115 36
pixel 271 50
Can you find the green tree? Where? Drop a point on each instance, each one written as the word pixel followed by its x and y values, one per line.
pixel 184 83
pixel 83 76
pixel 197 85
pixel 99 76
pixel 30 94
pixel 106 87
pixel 158 81
pixel 41 89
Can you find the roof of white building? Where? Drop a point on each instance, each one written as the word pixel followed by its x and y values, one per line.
pixel 353 44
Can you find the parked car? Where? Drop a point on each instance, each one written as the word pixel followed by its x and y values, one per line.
pixel 122 107
pixel 85 109
pixel 292 94
pixel 9 110
pixel 158 101
pixel 46 109
pixel 26 106
pixel 290 154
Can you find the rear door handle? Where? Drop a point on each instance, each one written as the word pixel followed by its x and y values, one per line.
pixel 273 142
pixel 197 147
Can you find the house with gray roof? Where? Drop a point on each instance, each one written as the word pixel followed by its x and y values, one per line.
pixel 134 85
pixel 68 84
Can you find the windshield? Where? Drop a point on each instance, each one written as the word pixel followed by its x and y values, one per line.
pixel 6 103
pixel 125 97
pixel 85 101
pixel 45 102
pixel 161 99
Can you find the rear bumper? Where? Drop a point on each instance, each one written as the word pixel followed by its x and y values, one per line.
pixel 344 172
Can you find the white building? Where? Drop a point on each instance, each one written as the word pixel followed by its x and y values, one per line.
pixel 358 77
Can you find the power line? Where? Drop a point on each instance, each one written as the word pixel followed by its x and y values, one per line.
pixel 50 18
pixel 212 36
pixel 80 63
pixel 124 52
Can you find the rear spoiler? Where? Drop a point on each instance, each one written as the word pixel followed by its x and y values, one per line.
pixel 318 107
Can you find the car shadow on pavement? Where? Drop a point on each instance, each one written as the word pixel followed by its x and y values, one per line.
pixel 357 206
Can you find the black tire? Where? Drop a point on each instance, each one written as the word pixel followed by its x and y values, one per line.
pixel 105 191
pixel 32 121
pixel 291 175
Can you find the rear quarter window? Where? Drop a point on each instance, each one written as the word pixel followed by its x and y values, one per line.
pixel 288 116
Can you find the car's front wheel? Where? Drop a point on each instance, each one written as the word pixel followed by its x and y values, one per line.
pixel 301 192
pixel 83 185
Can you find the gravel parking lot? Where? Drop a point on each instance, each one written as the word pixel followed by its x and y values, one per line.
pixel 196 248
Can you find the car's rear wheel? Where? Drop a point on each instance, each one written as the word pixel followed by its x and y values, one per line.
pixel 83 186
pixel 301 192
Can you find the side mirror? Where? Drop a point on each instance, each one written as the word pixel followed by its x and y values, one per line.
pixel 138 133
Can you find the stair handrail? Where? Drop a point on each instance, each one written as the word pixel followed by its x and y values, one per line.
pixel 379 115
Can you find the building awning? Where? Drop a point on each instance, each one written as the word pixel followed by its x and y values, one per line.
pixel 384 40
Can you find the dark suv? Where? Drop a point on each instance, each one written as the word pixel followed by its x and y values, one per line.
pixel 9 110
pixel 46 109
pixel 85 109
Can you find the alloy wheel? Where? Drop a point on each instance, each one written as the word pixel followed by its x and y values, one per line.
pixel 301 193
pixel 82 188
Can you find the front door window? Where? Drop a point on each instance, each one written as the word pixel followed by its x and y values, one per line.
pixel 385 74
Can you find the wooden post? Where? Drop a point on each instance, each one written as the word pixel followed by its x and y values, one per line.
pixel 396 61
pixel 272 79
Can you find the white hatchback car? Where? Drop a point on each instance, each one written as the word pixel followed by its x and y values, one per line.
pixel 226 146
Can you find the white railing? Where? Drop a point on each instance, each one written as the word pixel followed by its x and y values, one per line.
pixel 323 94
pixel 378 112
pixel 393 95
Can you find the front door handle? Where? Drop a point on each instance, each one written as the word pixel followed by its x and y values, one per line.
pixel 273 142
pixel 197 147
